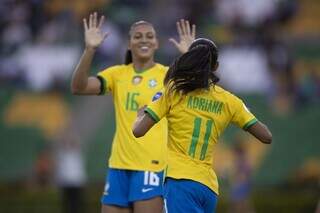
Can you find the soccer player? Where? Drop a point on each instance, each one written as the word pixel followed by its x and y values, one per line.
pixel 197 111
pixel 135 177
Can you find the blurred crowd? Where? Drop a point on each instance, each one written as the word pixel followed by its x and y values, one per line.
pixel 266 48
pixel 41 42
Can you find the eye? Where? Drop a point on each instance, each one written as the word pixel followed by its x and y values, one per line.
pixel 150 35
pixel 137 36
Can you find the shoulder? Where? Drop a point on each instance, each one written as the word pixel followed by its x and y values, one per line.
pixel 116 68
pixel 226 95
pixel 162 68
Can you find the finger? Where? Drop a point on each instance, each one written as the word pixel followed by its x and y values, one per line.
pixel 95 15
pixel 85 24
pixel 101 21
pixel 172 40
pixel 90 20
pixel 179 29
pixel 187 27
pixel 193 31
pixel 183 26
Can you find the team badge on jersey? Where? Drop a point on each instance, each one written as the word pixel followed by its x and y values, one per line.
pixel 153 83
pixel 136 79
pixel 156 96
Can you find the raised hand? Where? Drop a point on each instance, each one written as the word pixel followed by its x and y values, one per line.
pixel 92 31
pixel 186 35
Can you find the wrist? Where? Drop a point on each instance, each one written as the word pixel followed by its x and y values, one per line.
pixel 90 49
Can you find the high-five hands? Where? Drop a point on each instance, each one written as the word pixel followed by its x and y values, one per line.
pixel 187 35
pixel 92 31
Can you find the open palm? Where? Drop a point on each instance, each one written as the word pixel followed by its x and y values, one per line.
pixel 92 31
pixel 186 35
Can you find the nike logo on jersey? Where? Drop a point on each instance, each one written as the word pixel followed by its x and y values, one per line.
pixel 144 190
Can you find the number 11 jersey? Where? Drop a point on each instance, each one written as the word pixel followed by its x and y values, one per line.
pixel 195 122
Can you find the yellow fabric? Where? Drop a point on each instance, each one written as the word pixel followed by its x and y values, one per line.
pixel 195 122
pixel 132 90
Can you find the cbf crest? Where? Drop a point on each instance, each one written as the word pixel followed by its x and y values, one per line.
pixel 136 79
pixel 153 83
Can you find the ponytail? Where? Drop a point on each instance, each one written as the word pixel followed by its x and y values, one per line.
pixel 194 69
pixel 128 57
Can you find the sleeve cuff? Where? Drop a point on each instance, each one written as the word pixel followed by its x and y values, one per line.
pixel 103 85
pixel 250 123
pixel 152 114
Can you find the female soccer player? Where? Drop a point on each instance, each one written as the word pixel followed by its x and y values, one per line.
pixel 134 181
pixel 197 111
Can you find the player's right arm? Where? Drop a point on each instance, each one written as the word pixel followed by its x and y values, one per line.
pixel 149 115
pixel 81 83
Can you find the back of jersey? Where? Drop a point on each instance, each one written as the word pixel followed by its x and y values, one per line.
pixel 195 122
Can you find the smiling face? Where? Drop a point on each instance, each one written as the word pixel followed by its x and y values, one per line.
pixel 143 41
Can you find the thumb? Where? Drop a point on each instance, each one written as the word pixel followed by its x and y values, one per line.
pixel 172 40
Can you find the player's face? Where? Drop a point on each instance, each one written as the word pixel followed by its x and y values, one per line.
pixel 143 42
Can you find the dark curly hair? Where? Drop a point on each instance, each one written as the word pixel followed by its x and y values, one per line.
pixel 194 69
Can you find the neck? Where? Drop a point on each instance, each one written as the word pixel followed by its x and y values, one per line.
pixel 142 64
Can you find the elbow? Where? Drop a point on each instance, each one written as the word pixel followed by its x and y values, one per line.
pixel 267 139
pixel 137 133
pixel 75 90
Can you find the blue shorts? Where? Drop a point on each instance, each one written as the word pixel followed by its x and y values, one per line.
pixel 181 196
pixel 123 187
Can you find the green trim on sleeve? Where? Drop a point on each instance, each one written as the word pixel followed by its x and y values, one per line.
pixel 103 85
pixel 152 114
pixel 250 123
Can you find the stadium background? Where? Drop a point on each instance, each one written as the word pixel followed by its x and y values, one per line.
pixel 269 55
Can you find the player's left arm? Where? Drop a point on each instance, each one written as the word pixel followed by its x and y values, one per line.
pixel 244 119
pixel 261 132
pixel 143 123
pixel 187 34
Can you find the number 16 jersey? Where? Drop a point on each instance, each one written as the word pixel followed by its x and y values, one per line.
pixel 195 122
pixel 132 90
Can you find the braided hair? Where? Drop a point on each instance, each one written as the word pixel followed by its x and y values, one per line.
pixel 194 69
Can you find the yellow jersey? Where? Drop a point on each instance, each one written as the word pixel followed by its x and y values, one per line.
pixel 195 122
pixel 132 90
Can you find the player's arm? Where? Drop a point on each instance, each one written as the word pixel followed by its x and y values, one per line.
pixel 81 83
pixel 261 132
pixel 143 123
pixel 186 34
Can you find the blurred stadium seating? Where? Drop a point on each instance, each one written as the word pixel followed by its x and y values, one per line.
pixel 36 105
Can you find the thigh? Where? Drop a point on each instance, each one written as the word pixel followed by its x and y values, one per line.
pixel 116 191
pixel 153 205
pixel 188 196
pixel 146 191
pixel 115 209
pixel 210 199
pixel 180 198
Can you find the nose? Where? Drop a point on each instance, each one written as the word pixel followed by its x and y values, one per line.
pixel 144 39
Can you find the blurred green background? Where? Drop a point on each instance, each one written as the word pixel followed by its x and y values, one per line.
pixel 269 56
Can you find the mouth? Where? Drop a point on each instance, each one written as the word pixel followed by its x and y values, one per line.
pixel 144 48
